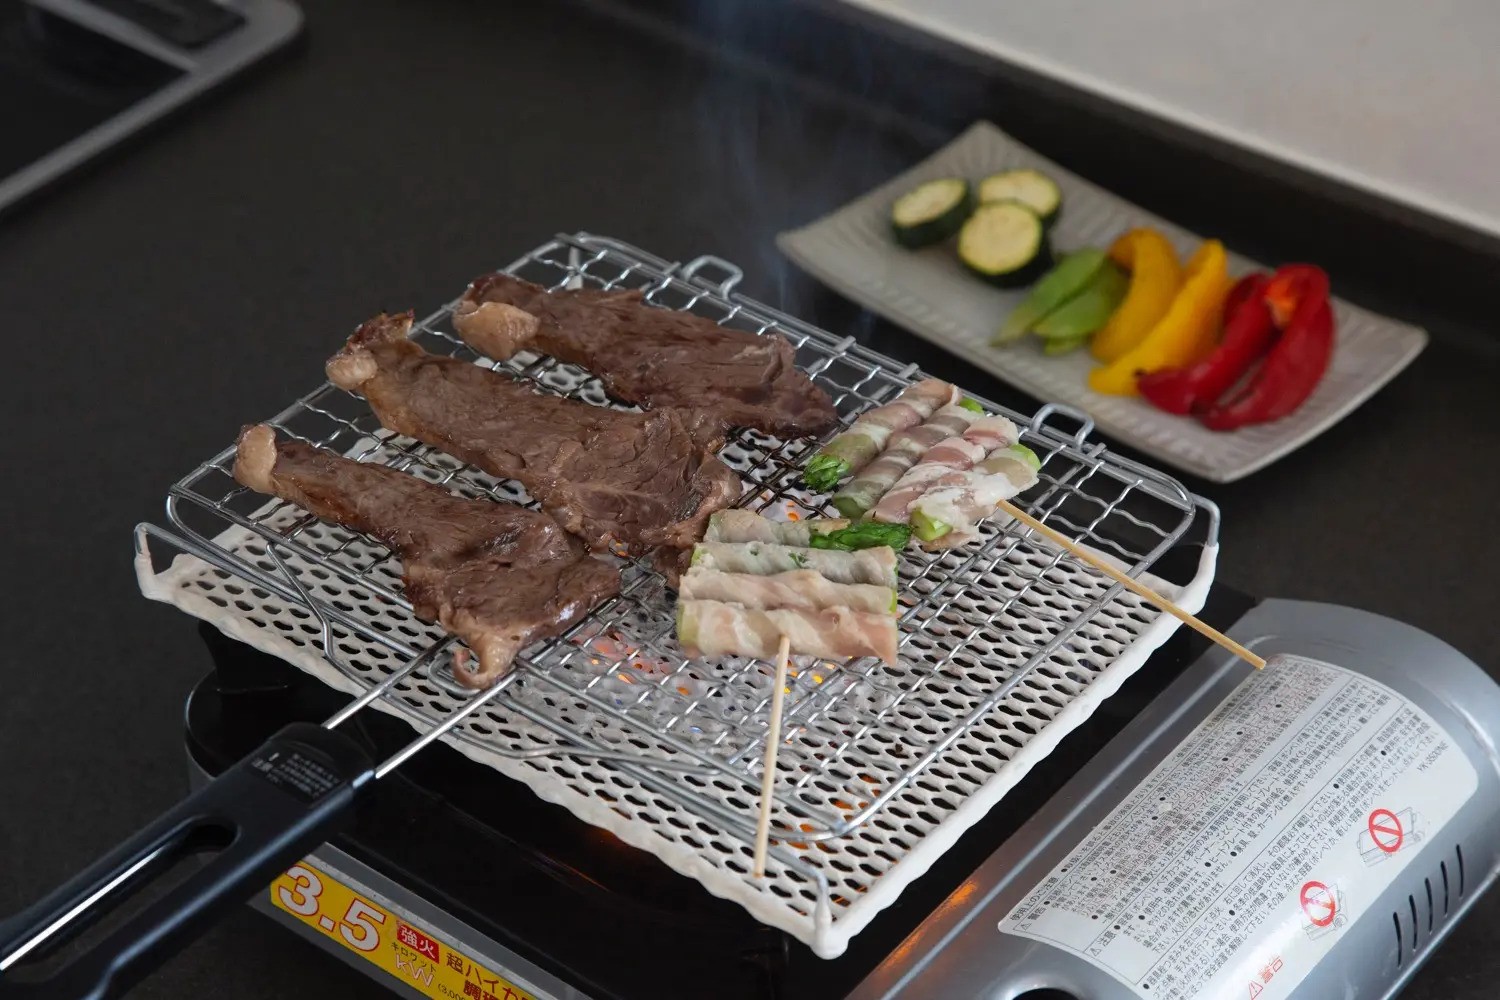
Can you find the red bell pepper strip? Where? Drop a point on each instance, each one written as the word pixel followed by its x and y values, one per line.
pixel 1298 360
pixel 1248 330
pixel 1250 284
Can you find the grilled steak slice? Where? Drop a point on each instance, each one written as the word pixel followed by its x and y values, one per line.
pixel 636 479
pixel 496 575
pixel 649 356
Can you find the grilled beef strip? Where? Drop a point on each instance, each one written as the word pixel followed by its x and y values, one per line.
pixel 496 575
pixel 649 356
pixel 639 480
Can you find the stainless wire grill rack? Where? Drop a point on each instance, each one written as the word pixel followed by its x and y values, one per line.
pixel 1006 645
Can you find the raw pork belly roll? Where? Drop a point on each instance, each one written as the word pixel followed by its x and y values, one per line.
pixel 800 589
pixel 717 628
pixel 877 566
pixel 736 525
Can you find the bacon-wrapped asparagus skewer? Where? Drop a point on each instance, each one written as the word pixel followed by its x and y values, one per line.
pixel 856 447
pixel 903 451
pixel 944 461
pixel 948 515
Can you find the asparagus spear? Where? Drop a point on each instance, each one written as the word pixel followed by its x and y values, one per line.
pixel 864 535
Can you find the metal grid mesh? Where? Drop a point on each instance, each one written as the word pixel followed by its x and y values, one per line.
pixel 998 639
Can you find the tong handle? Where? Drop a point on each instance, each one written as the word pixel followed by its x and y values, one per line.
pixel 260 816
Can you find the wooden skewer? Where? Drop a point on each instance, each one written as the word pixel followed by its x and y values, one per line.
pixel 1135 587
pixel 768 775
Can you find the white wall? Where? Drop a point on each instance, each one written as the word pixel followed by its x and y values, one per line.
pixel 1400 97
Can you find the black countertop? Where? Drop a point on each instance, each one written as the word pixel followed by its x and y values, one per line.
pixel 197 282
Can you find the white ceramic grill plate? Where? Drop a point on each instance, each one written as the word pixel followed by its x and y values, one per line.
pixel 867 869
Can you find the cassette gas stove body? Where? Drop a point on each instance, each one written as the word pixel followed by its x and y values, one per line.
pixel 1312 830
pixel 494 890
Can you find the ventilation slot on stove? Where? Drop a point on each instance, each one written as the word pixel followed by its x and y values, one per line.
pixel 1428 908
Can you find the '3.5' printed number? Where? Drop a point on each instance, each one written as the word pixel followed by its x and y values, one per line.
pixel 360 925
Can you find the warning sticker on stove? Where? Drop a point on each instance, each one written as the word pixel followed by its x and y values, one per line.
pixel 1238 863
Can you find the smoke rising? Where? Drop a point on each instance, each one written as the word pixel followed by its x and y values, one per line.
pixel 779 150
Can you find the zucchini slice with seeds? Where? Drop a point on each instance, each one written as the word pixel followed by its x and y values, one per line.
pixel 1031 188
pixel 1005 243
pixel 931 212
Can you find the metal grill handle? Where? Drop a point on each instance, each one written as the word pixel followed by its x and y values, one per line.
pixel 1044 415
pixel 258 817
pixel 693 271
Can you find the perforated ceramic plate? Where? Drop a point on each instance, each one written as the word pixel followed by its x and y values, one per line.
pixel 929 293
pixel 857 730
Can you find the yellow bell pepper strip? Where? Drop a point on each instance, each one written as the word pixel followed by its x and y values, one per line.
pixel 1155 277
pixel 1184 335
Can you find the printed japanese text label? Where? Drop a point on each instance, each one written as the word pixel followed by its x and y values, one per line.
pixel 404 951
pixel 1261 836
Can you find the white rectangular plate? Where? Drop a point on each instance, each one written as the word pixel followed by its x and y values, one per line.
pixel 929 293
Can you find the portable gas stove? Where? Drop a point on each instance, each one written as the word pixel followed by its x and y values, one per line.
pixel 560 909
pixel 1192 829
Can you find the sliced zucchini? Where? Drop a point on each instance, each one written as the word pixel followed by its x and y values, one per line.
pixel 1005 244
pixel 1031 188
pixel 931 212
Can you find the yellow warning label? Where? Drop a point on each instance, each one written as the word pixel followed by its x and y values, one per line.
pixel 403 950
